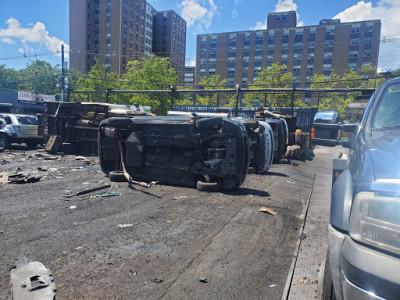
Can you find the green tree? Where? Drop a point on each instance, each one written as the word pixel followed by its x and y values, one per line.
pixel 331 100
pixel 97 80
pixel 39 77
pixel 212 83
pixel 151 73
pixel 272 77
pixel 8 78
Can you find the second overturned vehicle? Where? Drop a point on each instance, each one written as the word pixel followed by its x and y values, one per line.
pixel 208 153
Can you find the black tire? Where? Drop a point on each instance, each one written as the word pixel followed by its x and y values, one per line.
pixel 5 141
pixel 328 292
pixel 117 176
pixel 209 186
pixel 32 144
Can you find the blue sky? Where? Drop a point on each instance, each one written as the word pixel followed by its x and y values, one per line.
pixel 36 29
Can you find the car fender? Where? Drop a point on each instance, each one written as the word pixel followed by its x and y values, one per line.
pixel 341 201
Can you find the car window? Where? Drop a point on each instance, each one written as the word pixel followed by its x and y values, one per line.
pixel 387 113
pixel 8 120
pixel 27 120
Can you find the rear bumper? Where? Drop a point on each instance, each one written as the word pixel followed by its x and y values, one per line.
pixel 351 291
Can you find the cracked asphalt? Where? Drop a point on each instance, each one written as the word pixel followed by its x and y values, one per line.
pixel 164 242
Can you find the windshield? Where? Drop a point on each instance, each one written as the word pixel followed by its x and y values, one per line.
pixel 387 113
pixel 27 120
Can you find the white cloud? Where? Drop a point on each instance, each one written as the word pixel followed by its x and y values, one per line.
pixel 198 13
pixel 234 13
pixel 285 5
pixel 281 6
pixel 34 34
pixel 388 11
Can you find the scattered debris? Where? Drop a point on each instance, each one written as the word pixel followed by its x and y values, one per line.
pixel 289 181
pixel 302 236
pixel 20 178
pixel 180 197
pixel 43 168
pixel 272 285
pixel 31 280
pixel 157 280
pixel 53 144
pixel 169 221
pixel 106 195
pixel 124 225
pixel 86 191
pixel 267 210
pixel 72 207
pixel 80 158
pixel 203 279
pixel 4 162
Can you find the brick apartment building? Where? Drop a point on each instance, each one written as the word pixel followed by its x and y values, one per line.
pixel 329 46
pixel 119 31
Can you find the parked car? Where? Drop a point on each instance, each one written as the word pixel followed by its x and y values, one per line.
pixel 325 128
pixel 19 129
pixel 364 231
pixel 207 153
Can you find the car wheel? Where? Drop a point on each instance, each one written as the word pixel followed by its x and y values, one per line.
pixel 209 186
pixel 117 176
pixel 31 145
pixel 5 141
pixel 328 292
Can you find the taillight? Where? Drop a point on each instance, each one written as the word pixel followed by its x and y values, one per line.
pixel 313 133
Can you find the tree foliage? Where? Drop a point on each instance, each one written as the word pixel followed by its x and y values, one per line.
pixel 212 83
pixel 272 77
pixel 151 73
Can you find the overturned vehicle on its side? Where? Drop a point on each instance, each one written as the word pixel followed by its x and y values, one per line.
pixel 208 153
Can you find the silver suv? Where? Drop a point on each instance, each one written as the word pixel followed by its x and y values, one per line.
pixel 19 129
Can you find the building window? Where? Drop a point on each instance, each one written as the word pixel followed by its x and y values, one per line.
pixel 298 45
pixel 327 67
pixel 367 53
pixel 259 36
pixel 257 69
pixel 247 37
pixel 232 38
pixel 271 36
pixel 311 44
pixel 367 41
pixel 211 71
pixel 369 28
pixel 355 29
pixel 310 67
pixel 284 57
pixel 246 49
pixel 231 60
pixel 353 54
pixel 328 55
pixel 232 49
pixel 330 30
pixel 231 70
pixel 328 43
pixel 299 34
pixel 213 39
pixel 203 51
pixel 257 58
pixel 286 35
pixel 312 32
pixel 354 42
pixel 297 56
pixel 285 46
pixel 245 69
pixel 244 80
pixel 310 56
pixel 202 72
pixel 245 59
pixel 296 78
pixel 213 50
pixel 270 58
pixel 308 78
pixel 352 66
pixel 296 68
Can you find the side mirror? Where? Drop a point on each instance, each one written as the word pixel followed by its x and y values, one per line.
pixel 349 127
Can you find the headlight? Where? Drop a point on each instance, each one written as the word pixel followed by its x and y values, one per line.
pixel 375 220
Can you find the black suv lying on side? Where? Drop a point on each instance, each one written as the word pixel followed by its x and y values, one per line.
pixel 207 153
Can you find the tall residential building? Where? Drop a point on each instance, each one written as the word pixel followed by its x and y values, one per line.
pixel 189 76
pixel 119 31
pixel 306 50
pixel 169 40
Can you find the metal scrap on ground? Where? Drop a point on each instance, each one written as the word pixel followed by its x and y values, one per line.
pixel 31 280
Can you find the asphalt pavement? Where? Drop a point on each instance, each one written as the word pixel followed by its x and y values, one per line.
pixel 163 242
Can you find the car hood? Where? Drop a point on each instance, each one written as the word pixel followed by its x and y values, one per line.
pixel 384 152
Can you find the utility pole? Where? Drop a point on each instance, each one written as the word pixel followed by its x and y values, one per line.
pixel 237 100
pixel 62 74
pixel 292 100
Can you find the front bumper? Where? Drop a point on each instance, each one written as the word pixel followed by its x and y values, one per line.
pixel 351 291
